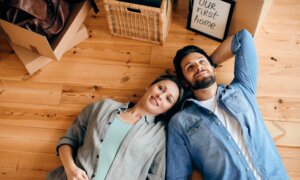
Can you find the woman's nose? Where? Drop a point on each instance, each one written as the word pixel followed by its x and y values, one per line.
pixel 158 96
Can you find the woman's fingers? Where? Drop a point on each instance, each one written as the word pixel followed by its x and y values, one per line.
pixel 84 176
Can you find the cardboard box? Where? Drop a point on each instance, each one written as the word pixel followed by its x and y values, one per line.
pixel 34 61
pixel 249 14
pixel 38 43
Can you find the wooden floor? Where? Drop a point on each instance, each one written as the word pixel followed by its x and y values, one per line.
pixel 36 110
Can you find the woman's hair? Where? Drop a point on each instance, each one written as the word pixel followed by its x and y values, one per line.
pixel 167 115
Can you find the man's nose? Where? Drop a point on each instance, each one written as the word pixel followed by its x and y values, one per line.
pixel 198 67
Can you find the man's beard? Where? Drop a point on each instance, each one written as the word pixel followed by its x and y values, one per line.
pixel 206 82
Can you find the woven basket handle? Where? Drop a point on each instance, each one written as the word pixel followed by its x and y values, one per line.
pixel 134 10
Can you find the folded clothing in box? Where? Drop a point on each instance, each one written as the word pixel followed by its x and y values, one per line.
pixel 39 43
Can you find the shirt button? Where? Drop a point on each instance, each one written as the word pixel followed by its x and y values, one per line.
pixel 101 140
pixel 228 137
pixel 238 152
pixel 219 123
pixel 247 169
pixel 93 175
pixel 97 156
pixel 109 123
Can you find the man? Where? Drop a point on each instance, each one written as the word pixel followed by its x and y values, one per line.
pixel 220 131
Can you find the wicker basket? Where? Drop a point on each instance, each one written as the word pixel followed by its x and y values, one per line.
pixel 139 22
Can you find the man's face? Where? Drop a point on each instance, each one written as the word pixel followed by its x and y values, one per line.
pixel 197 71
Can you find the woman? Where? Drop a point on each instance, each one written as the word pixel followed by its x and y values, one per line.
pixel 112 140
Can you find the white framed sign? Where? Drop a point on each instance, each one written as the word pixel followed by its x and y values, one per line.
pixel 210 17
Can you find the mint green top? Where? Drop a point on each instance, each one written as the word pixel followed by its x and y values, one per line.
pixel 114 137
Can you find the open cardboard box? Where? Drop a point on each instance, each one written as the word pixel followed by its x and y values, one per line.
pixel 249 14
pixel 34 61
pixel 38 43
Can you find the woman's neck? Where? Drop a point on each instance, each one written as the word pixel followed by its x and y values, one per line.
pixel 207 93
pixel 133 115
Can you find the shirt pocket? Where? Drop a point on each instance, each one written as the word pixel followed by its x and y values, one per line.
pixel 198 134
pixel 236 102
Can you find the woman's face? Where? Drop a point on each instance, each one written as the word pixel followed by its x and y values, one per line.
pixel 160 97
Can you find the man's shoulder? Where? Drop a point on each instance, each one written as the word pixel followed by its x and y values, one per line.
pixel 182 116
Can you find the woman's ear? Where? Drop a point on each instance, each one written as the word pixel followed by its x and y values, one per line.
pixel 147 87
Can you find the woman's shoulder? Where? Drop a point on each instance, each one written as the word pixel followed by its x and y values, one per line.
pixel 106 102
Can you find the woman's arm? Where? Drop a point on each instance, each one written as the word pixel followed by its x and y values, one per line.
pixel 73 172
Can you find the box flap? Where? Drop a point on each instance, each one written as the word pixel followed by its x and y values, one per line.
pixel 31 60
pixel 75 20
pixel 27 39
pixel 34 61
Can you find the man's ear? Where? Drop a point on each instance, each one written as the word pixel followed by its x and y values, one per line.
pixel 214 69
pixel 185 83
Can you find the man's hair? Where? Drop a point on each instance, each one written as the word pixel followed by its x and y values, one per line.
pixel 183 52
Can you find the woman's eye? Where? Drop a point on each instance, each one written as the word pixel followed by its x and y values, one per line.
pixel 169 99
pixel 160 88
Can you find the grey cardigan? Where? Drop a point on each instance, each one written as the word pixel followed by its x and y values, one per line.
pixel 141 154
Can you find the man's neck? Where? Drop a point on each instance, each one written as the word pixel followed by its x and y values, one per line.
pixel 207 93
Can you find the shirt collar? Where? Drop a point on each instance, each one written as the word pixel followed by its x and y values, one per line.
pixel 125 106
pixel 192 98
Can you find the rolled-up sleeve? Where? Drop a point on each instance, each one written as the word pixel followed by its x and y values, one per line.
pixel 246 60
pixel 76 133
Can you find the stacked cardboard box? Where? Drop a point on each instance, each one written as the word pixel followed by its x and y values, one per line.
pixel 249 14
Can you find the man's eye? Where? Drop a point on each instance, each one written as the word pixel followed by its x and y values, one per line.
pixel 202 62
pixel 160 87
pixel 190 67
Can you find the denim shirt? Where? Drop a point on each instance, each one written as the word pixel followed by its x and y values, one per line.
pixel 196 137
pixel 141 155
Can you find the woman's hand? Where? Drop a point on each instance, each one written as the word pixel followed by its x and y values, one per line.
pixel 75 173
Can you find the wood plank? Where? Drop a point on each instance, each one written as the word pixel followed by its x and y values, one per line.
pixel 111 52
pixel 279 109
pixel 27 133
pixel 106 76
pixel 21 111
pixel 284 133
pixel 11 68
pixel 28 92
pixel 34 146
pixel 291 160
pixel 89 94
pixel 23 165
